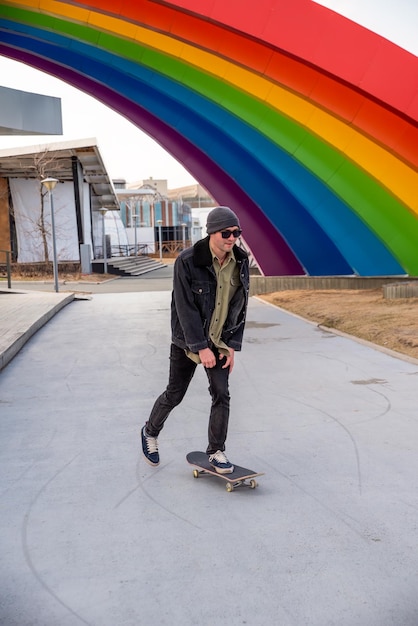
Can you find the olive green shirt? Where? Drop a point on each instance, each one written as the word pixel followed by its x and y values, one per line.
pixel 227 282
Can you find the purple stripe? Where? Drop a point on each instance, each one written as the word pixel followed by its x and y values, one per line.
pixel 273 255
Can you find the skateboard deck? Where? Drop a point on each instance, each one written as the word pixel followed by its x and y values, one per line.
pixel 239 477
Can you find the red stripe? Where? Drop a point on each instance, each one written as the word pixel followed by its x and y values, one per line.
pixel 383 76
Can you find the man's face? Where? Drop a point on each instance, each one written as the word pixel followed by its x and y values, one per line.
pixel 223 240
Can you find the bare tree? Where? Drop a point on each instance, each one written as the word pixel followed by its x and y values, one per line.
pixel 43 163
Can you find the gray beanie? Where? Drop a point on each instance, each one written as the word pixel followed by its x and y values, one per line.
pixel 219 218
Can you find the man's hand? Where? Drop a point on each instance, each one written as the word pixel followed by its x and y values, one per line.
pixel 207 358
pixel 229 359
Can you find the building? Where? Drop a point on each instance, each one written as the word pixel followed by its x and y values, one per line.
pixel 152 219
pixel 83 195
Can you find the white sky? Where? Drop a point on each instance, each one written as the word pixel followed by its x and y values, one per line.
pixel 396 20
pixel 128 152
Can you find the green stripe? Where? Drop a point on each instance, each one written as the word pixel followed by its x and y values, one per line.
pixel 383 213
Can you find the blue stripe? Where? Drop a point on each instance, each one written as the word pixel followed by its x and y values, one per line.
pixel 307 214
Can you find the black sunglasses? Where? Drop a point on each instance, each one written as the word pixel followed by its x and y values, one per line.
pixel 227 233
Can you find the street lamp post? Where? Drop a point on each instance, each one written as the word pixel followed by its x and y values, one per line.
pixel 103 213
pixel 50 184
pixel 136 231
pixel 132 204
pixel 159 222
pixel 184 235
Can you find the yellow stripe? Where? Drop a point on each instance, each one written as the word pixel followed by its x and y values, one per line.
pixel 387 169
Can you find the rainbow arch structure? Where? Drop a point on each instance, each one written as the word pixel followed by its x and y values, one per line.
pixel 302 121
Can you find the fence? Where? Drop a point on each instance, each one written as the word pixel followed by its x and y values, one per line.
pixel 269 284
pixel 168 248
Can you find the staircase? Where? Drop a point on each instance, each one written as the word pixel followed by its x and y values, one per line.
pixel 133 266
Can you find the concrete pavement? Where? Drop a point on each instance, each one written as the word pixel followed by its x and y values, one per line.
pixel 157 280
pixel 90 534
pixel 23 313
pixel 21 317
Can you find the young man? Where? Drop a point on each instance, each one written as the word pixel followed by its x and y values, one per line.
pixel 208 308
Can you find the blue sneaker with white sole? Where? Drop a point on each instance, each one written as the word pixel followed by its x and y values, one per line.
pixel 220 463
pixel 150 448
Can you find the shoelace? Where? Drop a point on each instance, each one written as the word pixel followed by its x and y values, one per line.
pixel 220 457
pixel 152 446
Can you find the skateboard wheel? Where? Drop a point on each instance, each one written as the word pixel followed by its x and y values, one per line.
pixel 196 473
pixel 253 483
pixel 229 487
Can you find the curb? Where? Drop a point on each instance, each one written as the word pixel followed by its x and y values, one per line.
pixel 12 350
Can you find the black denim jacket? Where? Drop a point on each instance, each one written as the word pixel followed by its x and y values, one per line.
pixel 193 299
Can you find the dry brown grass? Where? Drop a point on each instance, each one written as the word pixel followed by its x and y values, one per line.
pixel 67 277
pixel 365 314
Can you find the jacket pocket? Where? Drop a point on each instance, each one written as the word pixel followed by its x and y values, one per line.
pixel 200 288
pixel 202 298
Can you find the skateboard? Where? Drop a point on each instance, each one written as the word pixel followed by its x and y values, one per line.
pixel 239 477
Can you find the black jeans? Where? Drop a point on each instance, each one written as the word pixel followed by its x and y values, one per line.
pixel 182 370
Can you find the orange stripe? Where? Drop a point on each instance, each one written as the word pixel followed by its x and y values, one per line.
pixel 355 108
pixel 397 134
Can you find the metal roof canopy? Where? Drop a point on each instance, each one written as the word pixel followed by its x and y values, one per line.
pixel 20 163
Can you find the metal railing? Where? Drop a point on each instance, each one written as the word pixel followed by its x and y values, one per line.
pixel 129 250
pixel 7 254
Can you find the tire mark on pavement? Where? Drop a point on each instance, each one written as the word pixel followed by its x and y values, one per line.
pixel 27 551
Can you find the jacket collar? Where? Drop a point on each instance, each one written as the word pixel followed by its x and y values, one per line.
pixel 202 255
